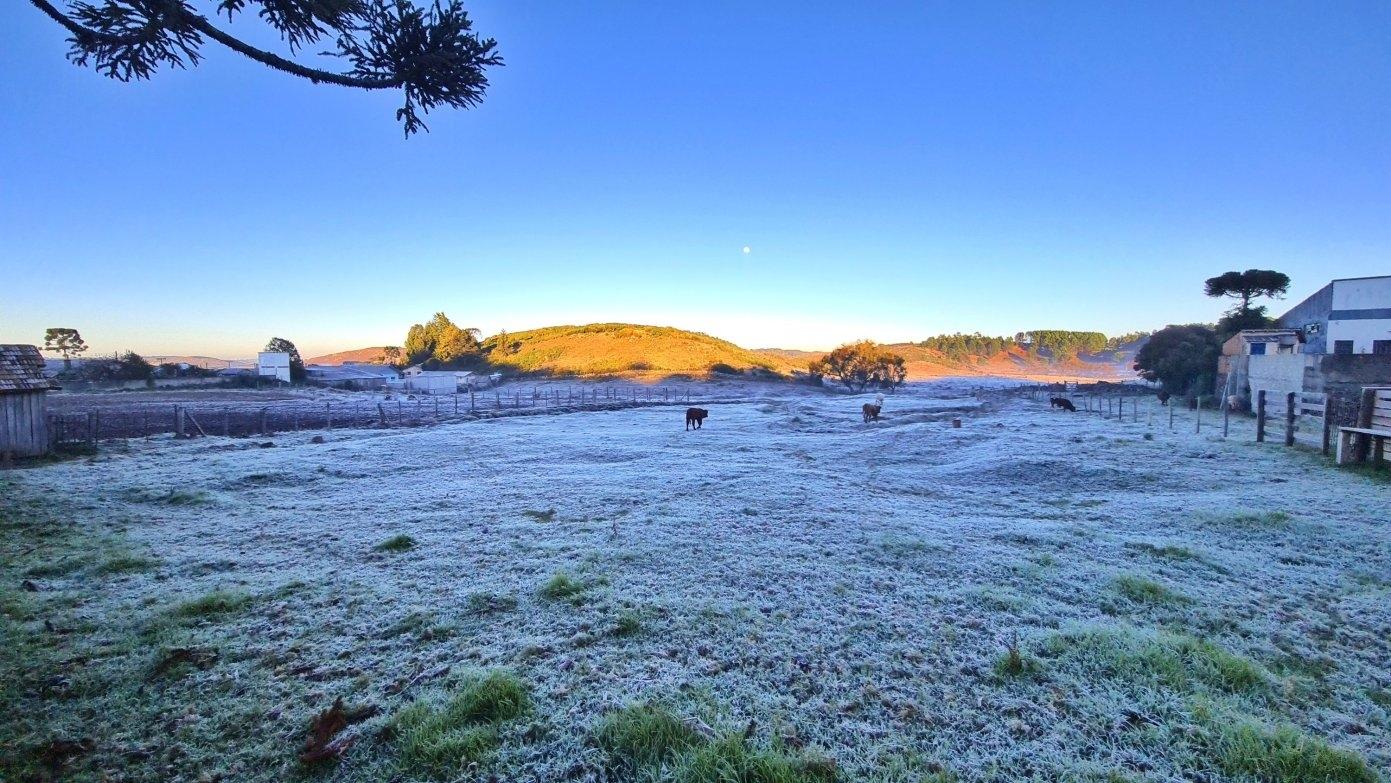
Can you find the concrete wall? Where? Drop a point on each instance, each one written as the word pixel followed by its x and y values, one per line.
pixel 1277 375
pixel 1313 310
pixel 1342 379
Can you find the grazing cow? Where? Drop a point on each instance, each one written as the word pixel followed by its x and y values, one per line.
pixel 1163 398
pixel 695 416
pixel 1062 402
pixel 871 412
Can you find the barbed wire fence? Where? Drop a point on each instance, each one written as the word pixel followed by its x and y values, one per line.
pixel 242 419
pixel 1304 418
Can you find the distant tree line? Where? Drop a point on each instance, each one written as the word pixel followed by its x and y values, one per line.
pixel 962 346
pixel 1056 343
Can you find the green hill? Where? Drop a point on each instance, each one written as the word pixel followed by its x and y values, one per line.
pixel 600 349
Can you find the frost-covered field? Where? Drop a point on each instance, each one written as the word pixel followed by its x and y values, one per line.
pixel 839 597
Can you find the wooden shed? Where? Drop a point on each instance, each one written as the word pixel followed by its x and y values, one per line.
pixel 23 402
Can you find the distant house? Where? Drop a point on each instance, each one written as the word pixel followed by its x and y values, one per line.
pixel 418 379
pixel 23 402
pixel 352 375
pixel 273 364
pixel 1263 342
pixel 1347 316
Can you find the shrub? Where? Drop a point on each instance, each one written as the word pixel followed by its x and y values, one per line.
pixel 860 365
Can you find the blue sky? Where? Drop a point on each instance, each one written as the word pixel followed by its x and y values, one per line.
pixel 896 169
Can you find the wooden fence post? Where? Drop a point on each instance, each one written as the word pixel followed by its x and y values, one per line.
pixel 1172 403
pixel 1289 418
pixel 178 422
pixel 1365 407
pixel 1226 418
pixel 226 423
pixel 1260 416
pixel 1327 423
pixel 261 421
pixel 328 415
pixel 92 429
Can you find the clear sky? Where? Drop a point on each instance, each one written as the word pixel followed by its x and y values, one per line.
pixel 896 170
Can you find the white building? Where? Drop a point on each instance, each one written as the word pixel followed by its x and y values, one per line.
pixel 1347 316
pixel 273 364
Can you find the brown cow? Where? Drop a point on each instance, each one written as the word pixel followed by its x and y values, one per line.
pixel 871 412
pixel 695 416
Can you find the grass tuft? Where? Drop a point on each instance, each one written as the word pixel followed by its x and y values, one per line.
pixel 1260 519
pixel 1176 661
pixel 562 586
pixel 540 516
pixel 397 543
pixel 1168 551
pixel 644 736
pixel 440 738
pixel 1142 590
pixel 1285 754
pixel 484 602
pixel 649 742
pixel 126 564
pixel 218 602
pixel 627 623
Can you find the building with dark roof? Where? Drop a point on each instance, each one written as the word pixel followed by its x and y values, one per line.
pixel 23 402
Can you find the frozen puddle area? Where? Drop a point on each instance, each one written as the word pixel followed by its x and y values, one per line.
pixel 822 585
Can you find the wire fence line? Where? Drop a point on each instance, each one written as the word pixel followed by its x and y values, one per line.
pixel 247 419
pixel 1306 418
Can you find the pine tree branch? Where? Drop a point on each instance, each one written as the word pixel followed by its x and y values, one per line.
pixel 86 34
pixel 316 75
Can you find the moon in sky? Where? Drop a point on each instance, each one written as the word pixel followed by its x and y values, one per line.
pixel 747 250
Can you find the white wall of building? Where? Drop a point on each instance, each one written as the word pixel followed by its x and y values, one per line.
pixel 1364 294
pixel 275 364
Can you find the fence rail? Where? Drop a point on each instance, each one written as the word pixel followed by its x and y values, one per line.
pixel 243 419
pixel 1304 414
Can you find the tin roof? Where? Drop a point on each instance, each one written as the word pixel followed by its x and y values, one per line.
pixel 21 369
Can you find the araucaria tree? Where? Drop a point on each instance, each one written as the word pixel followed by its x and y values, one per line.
pixel 860 365
pixel 65 342
pixel 1182 358
pixel 281 345
pixel 1245 286
pixel 430 54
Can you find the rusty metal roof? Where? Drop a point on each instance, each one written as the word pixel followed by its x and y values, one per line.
pixel 21 369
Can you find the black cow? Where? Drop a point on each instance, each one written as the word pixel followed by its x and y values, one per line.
pixel 1062 402
pixel 695 416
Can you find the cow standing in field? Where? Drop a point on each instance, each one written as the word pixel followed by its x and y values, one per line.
pixel 871 412
pixel 1062 402
pixel 695 416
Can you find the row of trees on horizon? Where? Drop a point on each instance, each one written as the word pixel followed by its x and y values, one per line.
pixel 1183 357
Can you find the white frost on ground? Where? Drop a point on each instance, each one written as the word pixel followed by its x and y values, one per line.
pixel 790 564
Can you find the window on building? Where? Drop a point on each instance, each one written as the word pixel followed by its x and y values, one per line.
pixel 1342 346
pixel 1381 347
pixel 1258 349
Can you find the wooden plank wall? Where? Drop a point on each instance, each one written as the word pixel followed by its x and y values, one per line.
pixel 23 424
